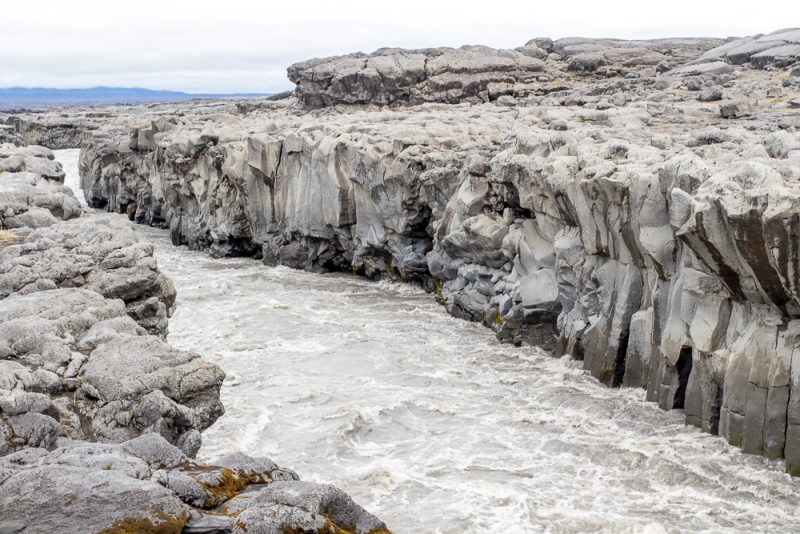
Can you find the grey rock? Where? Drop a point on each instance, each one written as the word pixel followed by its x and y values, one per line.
pixel 155 451
pixel 397 77
pixel 735 109
pixel 304 506
pixel 762 59
pixel 59 497
pixel 146 484
pixel 130 382
pixel 789 35
pixel 100 253
pixel 716 67
pixel 164 390
pixel 711 95
pixel 742 54
pixel 32 194
pixel 208 524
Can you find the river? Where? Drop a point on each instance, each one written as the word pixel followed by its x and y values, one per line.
pixel 431 424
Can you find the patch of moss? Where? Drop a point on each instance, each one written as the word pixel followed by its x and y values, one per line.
pixel 387 258
pixel 605 375
pixel 229 485
pixel 437 286
pixel 166 524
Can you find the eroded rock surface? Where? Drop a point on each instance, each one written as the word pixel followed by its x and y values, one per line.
pixel 148 485
pixel 639 220
pixel 99 253
pixel 476 74
pixel 79 300
pixel 32 191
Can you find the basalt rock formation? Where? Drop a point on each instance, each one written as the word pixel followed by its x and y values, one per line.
pixel 631 204
pixel 83 313
pixel 147 485
pixel 48 131
pixel 99 417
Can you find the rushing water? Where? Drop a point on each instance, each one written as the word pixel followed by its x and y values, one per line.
pixel 435 427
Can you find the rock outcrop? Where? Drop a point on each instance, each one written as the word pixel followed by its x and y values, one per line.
pixel 640 221
pixel 392 76
pixel 477 74
pixel 32 191
pixel 98 253
pixel 83 313
pixel 48 131
pixel 147 485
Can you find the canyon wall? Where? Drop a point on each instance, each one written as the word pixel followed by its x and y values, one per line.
pixel 641 218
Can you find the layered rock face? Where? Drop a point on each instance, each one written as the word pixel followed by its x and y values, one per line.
pixel 641 223
pixel 478 74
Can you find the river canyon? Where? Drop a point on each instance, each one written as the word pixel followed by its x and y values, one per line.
pixel 435 426
pixel 546 289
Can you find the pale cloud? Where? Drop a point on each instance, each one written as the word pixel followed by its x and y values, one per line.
pixel 245 46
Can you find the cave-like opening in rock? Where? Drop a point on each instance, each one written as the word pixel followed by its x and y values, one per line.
pixel 619 363
pixel 684 367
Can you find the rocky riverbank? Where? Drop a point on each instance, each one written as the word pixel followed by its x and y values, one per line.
pixel 99 417
pixel 630 204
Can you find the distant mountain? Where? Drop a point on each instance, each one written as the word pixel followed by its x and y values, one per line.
pixel 42 98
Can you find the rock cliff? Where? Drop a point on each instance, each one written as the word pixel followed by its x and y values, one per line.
pixel 631 204
pixel 83 314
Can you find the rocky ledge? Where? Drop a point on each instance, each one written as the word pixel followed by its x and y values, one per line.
pixel 639 216
pixel 99 416
pixel 146 485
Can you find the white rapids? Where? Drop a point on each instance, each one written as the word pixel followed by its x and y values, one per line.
pixel 435 427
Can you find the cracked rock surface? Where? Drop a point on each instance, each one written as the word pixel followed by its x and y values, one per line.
pixel 147 485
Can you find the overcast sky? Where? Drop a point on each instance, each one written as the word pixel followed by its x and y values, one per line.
pixel 229 46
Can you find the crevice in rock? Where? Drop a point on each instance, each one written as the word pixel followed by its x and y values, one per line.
pixel 619 363
pixel 684 367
